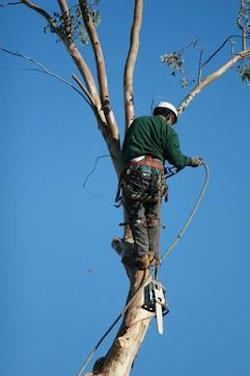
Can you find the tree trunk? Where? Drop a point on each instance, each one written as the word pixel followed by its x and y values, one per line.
pixel 120 357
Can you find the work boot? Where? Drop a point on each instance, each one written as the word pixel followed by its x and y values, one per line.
pixel 142 262
pixel 128 260
pixel 155 261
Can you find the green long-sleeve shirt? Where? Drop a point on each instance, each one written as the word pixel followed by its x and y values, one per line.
pixel 152 135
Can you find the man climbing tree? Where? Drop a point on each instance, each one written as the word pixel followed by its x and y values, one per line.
pixel 149 141
pixel 144 152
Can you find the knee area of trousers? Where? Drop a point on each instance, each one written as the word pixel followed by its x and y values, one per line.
pixel 153 221
pixel 138 222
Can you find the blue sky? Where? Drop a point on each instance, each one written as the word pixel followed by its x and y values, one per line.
pixel 61 283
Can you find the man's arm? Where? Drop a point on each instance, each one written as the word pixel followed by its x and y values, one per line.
pixel 174 154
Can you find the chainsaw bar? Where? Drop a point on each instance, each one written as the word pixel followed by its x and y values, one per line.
pixel 154 301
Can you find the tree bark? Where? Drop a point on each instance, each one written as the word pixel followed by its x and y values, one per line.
pixel 119 360
pixel 120 357
pixel 130 64
pixel 210 78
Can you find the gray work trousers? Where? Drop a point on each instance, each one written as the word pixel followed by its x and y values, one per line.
pixel 143 190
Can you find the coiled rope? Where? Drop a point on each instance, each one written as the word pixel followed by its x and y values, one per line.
pixel 162 259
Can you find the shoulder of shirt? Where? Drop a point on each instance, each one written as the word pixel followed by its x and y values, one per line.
pixel 142 118
pixel 172 131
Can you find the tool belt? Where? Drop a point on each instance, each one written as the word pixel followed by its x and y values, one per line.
pixel 148 160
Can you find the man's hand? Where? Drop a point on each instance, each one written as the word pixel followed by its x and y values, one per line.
pixel 195 161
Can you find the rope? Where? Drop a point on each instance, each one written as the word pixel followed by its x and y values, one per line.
pixel 146 280
pixel 92 352
pixel 191 215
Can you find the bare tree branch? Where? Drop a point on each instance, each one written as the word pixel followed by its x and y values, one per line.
pixel 10 3
pixel 130 63
pixel 67 19
pixel 43 69
pixel 113 144
pixel 243 26
pixel 80 61
pixel 101 69
pixel 73 51
pixel 109 134
pixel 44 14
pixel 200 66
pixel 209 79
pixel 112 141
pixel 84 89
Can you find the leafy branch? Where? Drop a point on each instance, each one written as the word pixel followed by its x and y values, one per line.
pixel 176 60
pixel 78 30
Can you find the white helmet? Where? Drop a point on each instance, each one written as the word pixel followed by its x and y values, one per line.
pixel 169 106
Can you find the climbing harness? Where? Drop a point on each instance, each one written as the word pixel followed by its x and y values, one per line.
pixel 138 168
pixel 154 292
